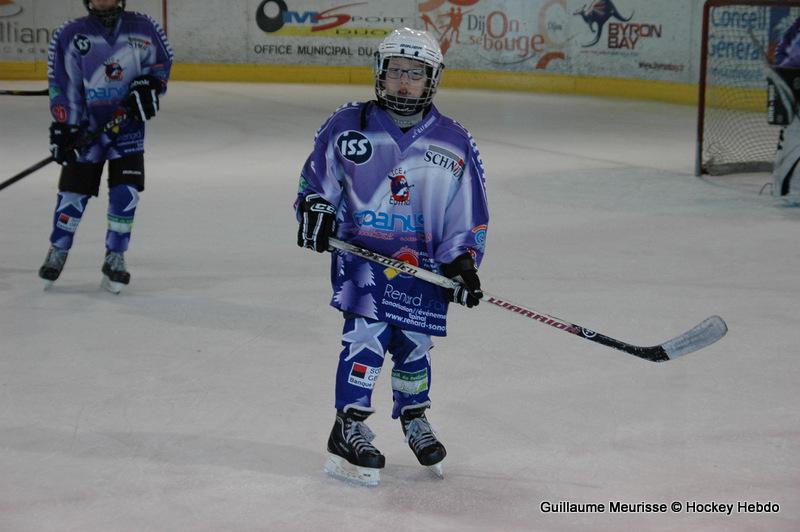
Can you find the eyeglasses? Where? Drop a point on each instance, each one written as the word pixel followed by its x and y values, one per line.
pixel 414 74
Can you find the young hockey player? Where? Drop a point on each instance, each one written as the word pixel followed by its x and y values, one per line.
pixel 100 66
pixel 787 56
pixel 399 178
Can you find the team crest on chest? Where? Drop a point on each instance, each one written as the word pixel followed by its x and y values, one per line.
pixel 400 189
pixel 113 70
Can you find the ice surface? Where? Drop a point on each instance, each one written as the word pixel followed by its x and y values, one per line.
pixel 200 399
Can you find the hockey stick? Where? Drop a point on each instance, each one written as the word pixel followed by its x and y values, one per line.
pixel 43 92
pixel 704 334
pixel 85 141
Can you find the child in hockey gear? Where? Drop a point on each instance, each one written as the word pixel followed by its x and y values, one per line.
pixel 421 438
pixel 126 57
pixel 352 455
pixel 397 177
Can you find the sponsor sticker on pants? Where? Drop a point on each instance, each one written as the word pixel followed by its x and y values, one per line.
pixel 410 383
pixel 363 376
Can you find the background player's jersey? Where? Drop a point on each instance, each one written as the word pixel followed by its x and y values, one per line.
pixel 417 196
pixel 788 52
pixel 89 71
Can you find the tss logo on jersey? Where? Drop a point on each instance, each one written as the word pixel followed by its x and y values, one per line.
pixel 354 147
pixel 82 44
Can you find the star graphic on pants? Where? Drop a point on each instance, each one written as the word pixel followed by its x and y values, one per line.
pixel 365 336
pixel 423 346
pixel 134 199
pixel 70 198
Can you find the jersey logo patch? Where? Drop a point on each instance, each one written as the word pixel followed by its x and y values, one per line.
pixel 448 160
pixel 354 147
pixel 113 71
pixel 82 44
pixel 400 189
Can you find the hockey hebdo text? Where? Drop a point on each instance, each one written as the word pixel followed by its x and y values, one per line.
pixel 675 507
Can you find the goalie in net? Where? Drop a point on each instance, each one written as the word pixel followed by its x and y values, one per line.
pixel 783 111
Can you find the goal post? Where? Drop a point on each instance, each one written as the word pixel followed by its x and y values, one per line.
pixel 733 134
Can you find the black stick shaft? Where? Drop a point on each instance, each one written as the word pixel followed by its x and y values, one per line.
pixel 43 92
pixel 114 122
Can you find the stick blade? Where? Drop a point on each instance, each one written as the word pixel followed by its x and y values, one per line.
pixel 702 335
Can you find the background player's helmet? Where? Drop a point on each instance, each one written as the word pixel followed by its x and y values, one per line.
pixel 410 44
pixel 108 18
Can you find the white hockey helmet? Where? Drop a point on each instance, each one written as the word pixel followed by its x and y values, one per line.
pixel 409 44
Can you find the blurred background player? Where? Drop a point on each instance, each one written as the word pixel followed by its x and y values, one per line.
pixel 100 66
pixel 397 177
pixel 787 56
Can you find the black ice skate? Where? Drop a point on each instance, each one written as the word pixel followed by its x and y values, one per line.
pixel 53 264
pixel 352 457
pixel 423 441
pixel 115 275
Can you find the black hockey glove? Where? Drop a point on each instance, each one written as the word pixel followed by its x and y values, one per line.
pixel 317 224
pixel 63 142
pixel 142 100
pixel 463 270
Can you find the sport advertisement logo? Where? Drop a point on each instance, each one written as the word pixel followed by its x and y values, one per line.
pixel 505 35
pixel 630 39
pixel 9 8
pixel 327 32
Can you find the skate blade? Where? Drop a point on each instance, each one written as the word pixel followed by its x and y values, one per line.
pixel 436 470
pixel 111 286
pixel 48 284
pixel 341 469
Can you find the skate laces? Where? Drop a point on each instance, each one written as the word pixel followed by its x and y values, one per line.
pixel 419 433
pixel 359 436
pixel 115 261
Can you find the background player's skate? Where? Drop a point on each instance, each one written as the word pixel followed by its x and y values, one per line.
pixel 115 273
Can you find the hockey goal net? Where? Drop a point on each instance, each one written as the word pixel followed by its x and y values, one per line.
pixel 732 130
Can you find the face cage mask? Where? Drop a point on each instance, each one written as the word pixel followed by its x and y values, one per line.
pixel 109 17
pixel 400 104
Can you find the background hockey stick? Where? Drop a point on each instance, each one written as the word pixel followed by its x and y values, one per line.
pixel 43 92
pixel 706 333
pixel 85 141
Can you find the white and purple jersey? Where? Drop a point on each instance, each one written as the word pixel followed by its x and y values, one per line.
pixel 89 70
pixel 788 52
pixel 417 196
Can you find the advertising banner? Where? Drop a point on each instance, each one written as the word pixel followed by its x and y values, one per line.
pixel 322 32
pixel 27 26
pixel 634 39
pixel 733 56
pixel 507 35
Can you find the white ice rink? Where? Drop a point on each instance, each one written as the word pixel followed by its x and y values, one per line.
pixel 200 399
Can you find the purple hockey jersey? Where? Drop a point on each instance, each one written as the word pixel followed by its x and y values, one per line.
pixel 788 52
pixel 89 71
pixel 417 196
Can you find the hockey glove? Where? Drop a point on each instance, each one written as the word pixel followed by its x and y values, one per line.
pixel 63 142
pixel 317 224
pixel 142 100
pixel 463 270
